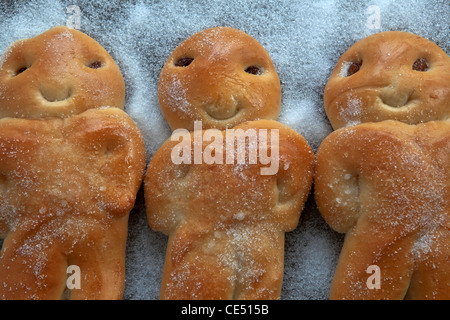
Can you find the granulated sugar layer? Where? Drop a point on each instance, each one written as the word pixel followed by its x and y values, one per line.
pixel 304 39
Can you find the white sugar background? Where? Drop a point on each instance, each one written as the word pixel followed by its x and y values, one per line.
pixel 304 39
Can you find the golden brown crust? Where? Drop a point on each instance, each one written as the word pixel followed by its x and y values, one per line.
pixel 215 87
pixel 386 185
pixel 389 84
pixel 226 222
pixel 67 72
pixel 67 188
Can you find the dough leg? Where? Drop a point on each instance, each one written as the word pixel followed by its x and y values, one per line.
pixel 101 261
pixel 40 260
pixel 371 246
pixel 31 269
pixel 237 263
pixel 431 279
pixel 261 262
pixel 202 269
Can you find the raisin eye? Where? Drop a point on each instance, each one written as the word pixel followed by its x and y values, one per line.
pixel 353 68
pixel 421 65
pixel 95 65
pixel 20 70
pixel 183 62
pixel 254 70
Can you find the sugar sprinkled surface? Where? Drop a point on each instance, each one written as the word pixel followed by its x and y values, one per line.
pixel 304 39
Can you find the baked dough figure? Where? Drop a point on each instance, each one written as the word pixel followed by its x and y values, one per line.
pixel 71 162
pixel 226 222
pixel 386 183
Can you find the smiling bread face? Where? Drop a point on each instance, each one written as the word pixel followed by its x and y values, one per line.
pixel 389 76
pixel 221 76
pixel 58 73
